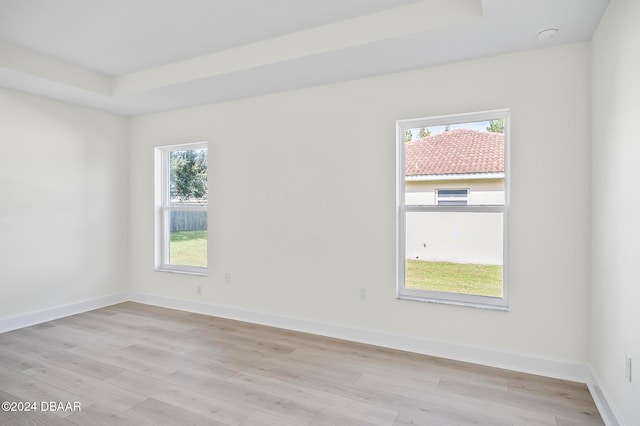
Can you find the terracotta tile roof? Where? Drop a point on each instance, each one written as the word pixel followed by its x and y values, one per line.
pixel 455 152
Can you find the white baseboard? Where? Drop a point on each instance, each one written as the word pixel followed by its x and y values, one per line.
pixel 607 411
pixel 516 362
pixel 575 372
pixel 50 314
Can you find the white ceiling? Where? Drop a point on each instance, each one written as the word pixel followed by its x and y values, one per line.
pixel 121 36
pixel 139 56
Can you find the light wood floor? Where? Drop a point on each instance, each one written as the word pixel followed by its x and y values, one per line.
pixel 136 364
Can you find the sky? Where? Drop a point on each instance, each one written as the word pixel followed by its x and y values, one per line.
pixel 435 130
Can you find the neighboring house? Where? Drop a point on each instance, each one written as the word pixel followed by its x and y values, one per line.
pixel 458 167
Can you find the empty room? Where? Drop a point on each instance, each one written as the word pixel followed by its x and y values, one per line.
pixel 346 212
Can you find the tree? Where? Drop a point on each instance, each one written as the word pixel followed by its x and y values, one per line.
pixel 496 126
pixel 188 175
pixel 408 136
pixel 424 132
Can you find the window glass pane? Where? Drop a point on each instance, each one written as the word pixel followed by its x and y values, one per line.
pixel 188 177
pixel 463 160
pixel 188 238
pixel 458 252
pixel 451 246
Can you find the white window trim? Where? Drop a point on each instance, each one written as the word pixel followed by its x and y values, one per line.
pixel 163 209
pixel 497 303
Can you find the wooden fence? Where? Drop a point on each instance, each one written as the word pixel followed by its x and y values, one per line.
pixel 188 220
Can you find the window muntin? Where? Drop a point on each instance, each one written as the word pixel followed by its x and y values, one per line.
pixel 452 246
pixel 181 208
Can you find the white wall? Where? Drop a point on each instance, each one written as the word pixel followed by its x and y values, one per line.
pixel 615 292
pixel 284 222
pixel 63 204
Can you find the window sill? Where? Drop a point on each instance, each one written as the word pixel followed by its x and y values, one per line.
pixel 455 303
pixel 202 273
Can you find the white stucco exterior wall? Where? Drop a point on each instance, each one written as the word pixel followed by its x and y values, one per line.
pixel 455 237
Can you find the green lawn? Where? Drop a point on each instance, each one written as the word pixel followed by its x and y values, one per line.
pixel 189 248
pixel 482 280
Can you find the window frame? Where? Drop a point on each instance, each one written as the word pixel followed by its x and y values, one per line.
pixel 488 302
pixel 163 209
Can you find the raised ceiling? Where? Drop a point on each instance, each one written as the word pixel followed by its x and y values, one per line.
pixel 143 56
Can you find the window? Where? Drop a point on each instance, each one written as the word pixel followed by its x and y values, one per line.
pixel 452 201
pixel 452 197
pixel 181 208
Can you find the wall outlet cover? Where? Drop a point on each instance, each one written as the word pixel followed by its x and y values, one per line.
pixel 627 367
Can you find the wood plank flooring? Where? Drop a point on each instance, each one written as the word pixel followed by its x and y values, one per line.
pixel 134 364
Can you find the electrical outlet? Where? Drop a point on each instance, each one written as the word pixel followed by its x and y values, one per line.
pixel 227 277
pixel 627 367
pixel 363 294
pixel 199 290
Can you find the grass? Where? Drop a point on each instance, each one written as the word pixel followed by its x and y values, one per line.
pixel 482 280
pixel 189 248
